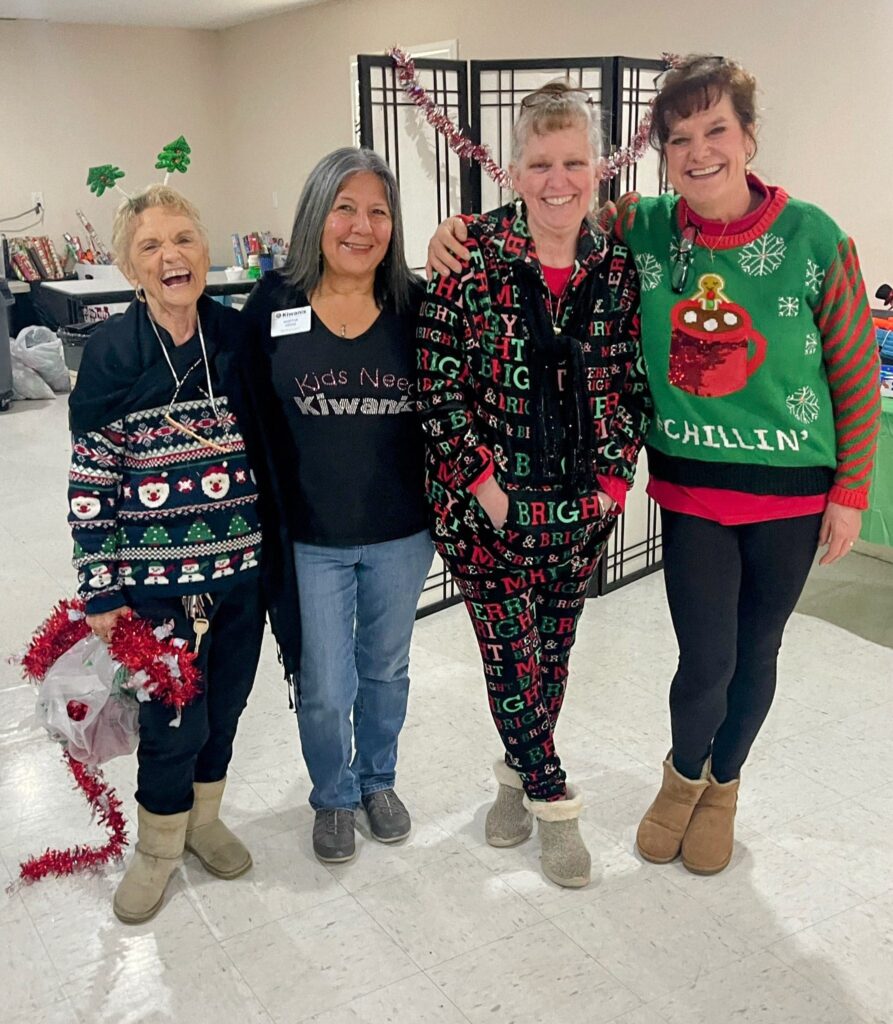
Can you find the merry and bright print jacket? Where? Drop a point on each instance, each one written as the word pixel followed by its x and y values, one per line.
pixel 474 391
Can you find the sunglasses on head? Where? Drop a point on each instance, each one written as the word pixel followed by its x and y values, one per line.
pixel 554 91
pixel 674 63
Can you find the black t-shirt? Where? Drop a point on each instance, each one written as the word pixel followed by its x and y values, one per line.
pixel 351 408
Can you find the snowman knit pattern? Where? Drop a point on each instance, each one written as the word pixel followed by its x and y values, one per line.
pixel 764 367
pixel 151 506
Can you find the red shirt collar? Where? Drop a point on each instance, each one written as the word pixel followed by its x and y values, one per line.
pixel 745 229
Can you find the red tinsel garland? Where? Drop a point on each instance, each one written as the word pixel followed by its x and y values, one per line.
pixel 170 675
pixel 62 630
pixel 157 666
pixel 164 670
pixel 107 808
pixel 634 152
pixel 460 144
pixel 463 147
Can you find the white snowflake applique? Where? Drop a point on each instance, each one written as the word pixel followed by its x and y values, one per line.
pixel 812 344
pixel 815 276
pixel 803 405
pixel 763 256
pixel 788 305
pixel 650 271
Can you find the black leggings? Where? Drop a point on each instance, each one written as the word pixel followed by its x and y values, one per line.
pixel 731 591
pixel 171 758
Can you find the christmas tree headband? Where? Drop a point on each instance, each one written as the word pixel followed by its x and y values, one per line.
pixel 174 157
pixel 465 149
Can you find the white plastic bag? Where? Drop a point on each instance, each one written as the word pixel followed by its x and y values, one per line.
pixel 27 383
pixel 38 349
pixel 81 704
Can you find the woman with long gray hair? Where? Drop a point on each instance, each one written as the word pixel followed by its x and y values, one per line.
pixel 333 374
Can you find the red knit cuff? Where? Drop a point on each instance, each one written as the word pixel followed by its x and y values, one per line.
pixel 615 487
pixel 849 497
pixel 482 479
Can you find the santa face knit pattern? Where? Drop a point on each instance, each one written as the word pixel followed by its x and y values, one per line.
pixel 155 510
pixel 525 584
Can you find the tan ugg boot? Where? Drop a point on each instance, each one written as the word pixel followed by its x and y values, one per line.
pixel 220 852
pixel 565 859
pixel 659 838
pixel 159 846
pixel 508 822
pixel 710 836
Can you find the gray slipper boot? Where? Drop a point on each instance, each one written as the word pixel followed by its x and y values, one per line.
pixel 508 821
pixel 565 859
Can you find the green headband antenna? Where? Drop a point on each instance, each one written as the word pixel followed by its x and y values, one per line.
pixel 174 157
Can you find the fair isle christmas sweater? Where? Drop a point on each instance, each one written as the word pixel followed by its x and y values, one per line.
pixel 477 382
pixel 764 370
pixel 153 507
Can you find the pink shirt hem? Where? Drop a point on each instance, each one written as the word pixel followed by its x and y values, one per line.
pixel 732 508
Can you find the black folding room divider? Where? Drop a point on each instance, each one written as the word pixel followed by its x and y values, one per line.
pixel 482 98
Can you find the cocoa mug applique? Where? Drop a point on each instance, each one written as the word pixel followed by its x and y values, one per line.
pixel 714 348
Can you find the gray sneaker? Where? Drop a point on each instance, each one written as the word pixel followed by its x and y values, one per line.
pixel 333 838
pixel 389 820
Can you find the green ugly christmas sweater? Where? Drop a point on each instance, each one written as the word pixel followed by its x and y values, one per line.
pixel 763 365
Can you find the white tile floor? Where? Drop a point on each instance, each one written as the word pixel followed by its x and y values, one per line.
pixel 443 929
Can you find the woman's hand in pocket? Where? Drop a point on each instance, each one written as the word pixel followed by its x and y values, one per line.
pixel 494 501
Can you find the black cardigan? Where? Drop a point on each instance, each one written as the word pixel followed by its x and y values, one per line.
pixel 126 374
pixel 256 408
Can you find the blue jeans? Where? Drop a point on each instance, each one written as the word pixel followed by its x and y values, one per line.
pixel 357 612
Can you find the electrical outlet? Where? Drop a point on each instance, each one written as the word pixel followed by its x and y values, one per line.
pixel 37 200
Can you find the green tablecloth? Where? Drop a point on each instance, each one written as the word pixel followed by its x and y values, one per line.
pixel 877 522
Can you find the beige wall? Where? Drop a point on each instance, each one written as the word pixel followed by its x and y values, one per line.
pixel 80 95
pixel 824 70
pixel 262 102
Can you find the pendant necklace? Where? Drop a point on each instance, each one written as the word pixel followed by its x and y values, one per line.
pixel 554 313
pixel 712 248
pixel 178 383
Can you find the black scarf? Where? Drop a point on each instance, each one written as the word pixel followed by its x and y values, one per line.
pixel 563 428
pixel 126 370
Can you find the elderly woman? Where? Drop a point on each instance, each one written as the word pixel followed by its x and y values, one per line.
pixel 535 406
pixel 163 510
pixel 763 368
pixel 333 369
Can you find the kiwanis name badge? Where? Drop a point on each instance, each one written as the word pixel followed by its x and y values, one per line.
pixel 290 321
